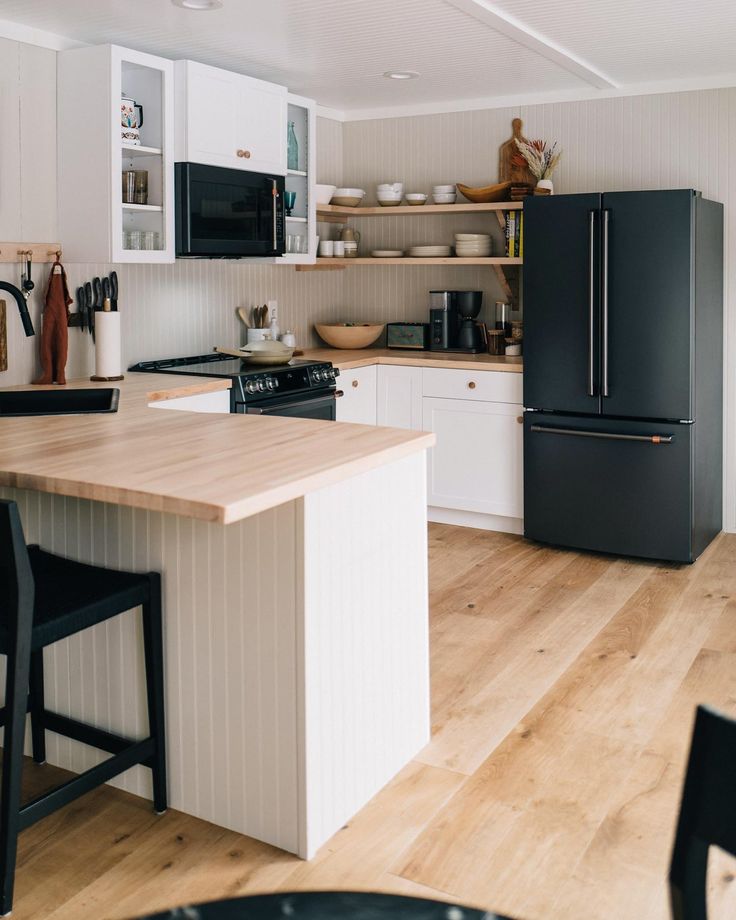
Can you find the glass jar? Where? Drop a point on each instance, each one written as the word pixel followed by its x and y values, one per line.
pixel 503 317
pixel 496 342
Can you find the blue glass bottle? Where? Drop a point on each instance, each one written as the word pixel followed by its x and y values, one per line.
pixel 292 148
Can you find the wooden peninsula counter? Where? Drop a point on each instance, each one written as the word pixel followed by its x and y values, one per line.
pixel 294 557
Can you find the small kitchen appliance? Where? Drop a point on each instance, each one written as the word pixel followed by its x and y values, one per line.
pixel 453 321
pixel 407 335
pixel 300 389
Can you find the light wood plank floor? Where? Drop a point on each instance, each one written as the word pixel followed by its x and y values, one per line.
pixel 564 686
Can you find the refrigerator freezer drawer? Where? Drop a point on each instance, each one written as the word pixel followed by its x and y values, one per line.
pixel 607 485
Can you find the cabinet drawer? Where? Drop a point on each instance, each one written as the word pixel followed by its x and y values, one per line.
pixel 489 386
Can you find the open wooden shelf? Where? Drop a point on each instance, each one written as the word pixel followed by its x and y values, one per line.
pixel 333 263
pixel 337 214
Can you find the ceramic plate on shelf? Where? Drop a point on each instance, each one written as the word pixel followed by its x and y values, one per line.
pixel 429 252
pixel 387 253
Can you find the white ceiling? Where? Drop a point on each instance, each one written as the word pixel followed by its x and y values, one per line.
pixel 337 50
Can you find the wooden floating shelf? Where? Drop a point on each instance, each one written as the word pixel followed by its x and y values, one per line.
pixel 138 150
pixel 337 213
pixel 142 207
pixel 333 264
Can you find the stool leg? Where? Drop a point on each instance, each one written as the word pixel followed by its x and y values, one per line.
pixel 16 700
pixel 153 644
pixel 38 734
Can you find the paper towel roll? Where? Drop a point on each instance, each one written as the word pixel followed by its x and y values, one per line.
pixel 108 360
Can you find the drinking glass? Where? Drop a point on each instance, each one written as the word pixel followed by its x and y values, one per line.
pixel 289 201
pixel 150 239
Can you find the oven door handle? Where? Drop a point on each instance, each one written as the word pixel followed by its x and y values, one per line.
pixel 295 404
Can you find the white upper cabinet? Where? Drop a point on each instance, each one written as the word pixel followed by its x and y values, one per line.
pixel 227 119
pixel 96 224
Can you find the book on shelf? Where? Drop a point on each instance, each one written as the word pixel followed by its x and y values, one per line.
pixel 514 234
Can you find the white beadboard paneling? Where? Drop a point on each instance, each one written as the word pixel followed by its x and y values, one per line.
pixel 329 152
pixel 365 640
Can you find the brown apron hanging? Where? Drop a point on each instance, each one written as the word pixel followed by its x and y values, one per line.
pixel 55 328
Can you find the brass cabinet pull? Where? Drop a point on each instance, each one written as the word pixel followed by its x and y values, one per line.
pixel 520 419
pixel 471 385
pixel 355 383
pixel 243 153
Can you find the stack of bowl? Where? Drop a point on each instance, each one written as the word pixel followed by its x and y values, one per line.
pixel 473 245
pixel 415 198
pixel 444 194
pixel 389 194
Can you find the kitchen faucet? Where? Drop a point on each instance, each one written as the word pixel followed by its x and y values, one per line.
pixel 21 298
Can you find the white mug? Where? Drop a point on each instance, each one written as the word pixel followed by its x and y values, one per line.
pixel 339 249
pixel 327 248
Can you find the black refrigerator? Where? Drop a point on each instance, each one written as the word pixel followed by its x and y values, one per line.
pixel 623 372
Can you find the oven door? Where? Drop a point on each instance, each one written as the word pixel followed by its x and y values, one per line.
pixel 228 212
pixel 315 405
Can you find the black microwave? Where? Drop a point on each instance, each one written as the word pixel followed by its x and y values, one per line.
pixel 228 213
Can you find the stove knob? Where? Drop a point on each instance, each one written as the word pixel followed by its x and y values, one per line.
pixel 261 386
pixel 270 383
pixel 250 386
pixel 333 373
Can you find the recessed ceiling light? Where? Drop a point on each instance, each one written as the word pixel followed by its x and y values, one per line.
pixel 401 74
pixel 198 4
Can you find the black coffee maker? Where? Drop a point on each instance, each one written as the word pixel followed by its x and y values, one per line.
pixel 453 321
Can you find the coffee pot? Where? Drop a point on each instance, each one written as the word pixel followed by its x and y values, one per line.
pixel 131 120
pixel 348 235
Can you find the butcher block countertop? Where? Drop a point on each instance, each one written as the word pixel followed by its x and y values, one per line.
pixel 213 467
pixel 361 357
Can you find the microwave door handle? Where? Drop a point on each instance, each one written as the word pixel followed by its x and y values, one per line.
pixel 274 214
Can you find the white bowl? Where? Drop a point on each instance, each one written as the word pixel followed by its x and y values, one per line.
pixel 440 189
pixel 396 188
pixel 444 199
pixel 323 193
pixel 415 196
pixel 472 237
pixel 388 196
pixel 349 197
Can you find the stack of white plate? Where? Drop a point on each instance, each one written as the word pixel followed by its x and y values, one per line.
pixel 389 194
pixel 444 194
pixel 429 252
pixel 473 245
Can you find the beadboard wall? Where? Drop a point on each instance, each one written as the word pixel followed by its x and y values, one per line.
pixel 674 140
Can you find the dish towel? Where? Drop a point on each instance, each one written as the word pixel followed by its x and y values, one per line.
pixel 55 328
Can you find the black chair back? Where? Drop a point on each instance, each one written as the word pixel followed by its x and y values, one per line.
pixel 707 812
pixel 16 576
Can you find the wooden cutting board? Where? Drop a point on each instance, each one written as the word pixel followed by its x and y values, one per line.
pixel 3 338
pixel 508 171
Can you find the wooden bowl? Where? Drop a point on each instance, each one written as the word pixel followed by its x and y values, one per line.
pixel 487 194
pixel 347 335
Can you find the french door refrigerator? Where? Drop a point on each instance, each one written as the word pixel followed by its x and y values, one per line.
pixel 623 303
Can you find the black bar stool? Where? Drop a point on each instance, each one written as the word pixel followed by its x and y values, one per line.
pixel 45 598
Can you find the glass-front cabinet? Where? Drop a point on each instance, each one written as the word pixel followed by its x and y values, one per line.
pixel 116 166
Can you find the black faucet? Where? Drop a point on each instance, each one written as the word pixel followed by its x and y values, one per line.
pixel 21 297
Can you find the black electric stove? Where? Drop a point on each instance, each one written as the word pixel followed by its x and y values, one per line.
pixel 301 388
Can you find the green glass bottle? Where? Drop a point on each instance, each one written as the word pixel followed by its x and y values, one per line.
pixel 292 148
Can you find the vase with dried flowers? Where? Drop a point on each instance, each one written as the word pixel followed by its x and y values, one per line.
pixel 541 160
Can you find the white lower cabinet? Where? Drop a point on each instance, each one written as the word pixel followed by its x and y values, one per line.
pixel 476 464
pixel 358 403
pixel 400 396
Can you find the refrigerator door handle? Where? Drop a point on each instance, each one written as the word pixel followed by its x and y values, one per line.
pixel 591 302
pixel 604 310
pixel 604 435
